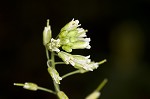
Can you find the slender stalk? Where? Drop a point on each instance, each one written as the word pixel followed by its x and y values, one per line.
pixel 71 73
pixel 53 59
pixel 57 89
pixel 103 61
pixel 56 63
pixel 47 90
pixel 56 86
pixel 18 84
pixel 102 84
pixel 47 54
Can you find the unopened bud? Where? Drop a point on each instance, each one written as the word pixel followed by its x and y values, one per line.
pixel 47 34
pixel 94 95
pixel 62 95
pixel 71 25
pixel 30 86
pixel 54 74
pixel 67 48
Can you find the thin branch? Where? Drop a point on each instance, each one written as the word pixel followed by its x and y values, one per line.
pixel 71 73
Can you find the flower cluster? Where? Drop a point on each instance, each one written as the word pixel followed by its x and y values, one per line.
pixel 70 37
pixel 73 37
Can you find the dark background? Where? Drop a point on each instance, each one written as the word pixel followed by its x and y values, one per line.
pixel 119 31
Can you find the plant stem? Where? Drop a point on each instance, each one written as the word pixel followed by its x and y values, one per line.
pixel 47 54
pixel 103 61
pixel 56 86
pixel 18 84
pixel 102 84
pixel 45 89
pixel 71 73
pixel 57 89
pixel 56 63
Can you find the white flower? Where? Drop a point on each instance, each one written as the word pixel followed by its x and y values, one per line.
pixel 54 45
pixel 78 61
pixel 84 63
pixel 91 66
pixel 66 57
pixel 81 32
pixel 54 74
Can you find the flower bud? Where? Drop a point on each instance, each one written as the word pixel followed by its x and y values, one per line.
pixel 47 34
pixel 80 45
pixel 71 25
pixel 64 41
pixel 72 33
pixel 65 56
pixel 54 74
pixel 30 86
pixel 81 32
pixel 63 34
pixel 62 95
pixel 94 95
pixel 67 48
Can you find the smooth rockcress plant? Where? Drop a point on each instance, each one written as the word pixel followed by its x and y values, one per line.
pixel 71 37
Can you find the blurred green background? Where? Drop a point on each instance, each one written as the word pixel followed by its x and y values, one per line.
pixel 119 31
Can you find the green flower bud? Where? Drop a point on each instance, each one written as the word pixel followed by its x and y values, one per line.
pixel 80 45
pixel 71 25
pixel 73 39
pixel 63 34
pixel 54 74
pixel 72 33
pixel 67 48
pixel 94 95
pixel 65 56
pixel 64 41
pixel 30 86
pixel 62 95
pixel 47 34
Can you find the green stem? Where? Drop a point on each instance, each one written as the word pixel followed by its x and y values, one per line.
pixel 71 73
pixel 56 63
pixel 57 89
pixel 56 86
pixel 103 61
pixel 18 84
pixel 46 90
pixel 102 84
pixel 47 54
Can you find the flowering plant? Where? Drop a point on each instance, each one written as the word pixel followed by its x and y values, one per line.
pixel 71 37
